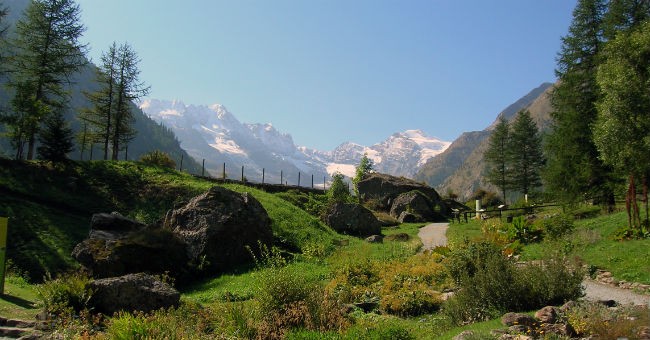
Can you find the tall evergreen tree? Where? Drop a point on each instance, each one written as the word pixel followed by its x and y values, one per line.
pixel 622 131
pixel 574 169
pixel 47 52
pixel 56 139
pixel 100 116
pixel 365 167
pixel 497 157
pixel 525 154
pixel 128 88
pixel 623 15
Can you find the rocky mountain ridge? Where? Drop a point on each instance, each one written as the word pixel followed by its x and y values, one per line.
pixel 214 134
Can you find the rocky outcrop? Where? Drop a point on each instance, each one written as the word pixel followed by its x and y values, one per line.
pixel 117 246
pixel 413 202
pixel 219 227
pixel 352 219
pixel 382 190
pixel 132 292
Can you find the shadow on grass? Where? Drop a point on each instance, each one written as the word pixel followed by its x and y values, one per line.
pixel 20 302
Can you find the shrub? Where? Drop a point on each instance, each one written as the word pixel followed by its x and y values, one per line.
pixel 522 231
pixel 159 159
pixel 557 226
pixel 65 294
pixel 290 299
pixel 492 284
pixel 338 191
pixel 590 319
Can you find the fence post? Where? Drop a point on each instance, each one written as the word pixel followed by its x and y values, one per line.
pixel 242 174
pixel 281 179
pixel 312 181
pixel 262 175
pixel 203 168
pixel 180 168
pixel 323 183
pixel 223 173
pixel 298 178
pixel 126 153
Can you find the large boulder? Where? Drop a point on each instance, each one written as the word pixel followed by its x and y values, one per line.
pixel 219 228
pixel 352 219
pixel 132 292
pixel 415 203
pixel 383 189
pixel 117 246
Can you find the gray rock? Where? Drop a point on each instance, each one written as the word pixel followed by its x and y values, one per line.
pixel 409 217
pixel 219 227
pixel 384 189
pixel 548 314
pixel 413 202
pixel 556 328
pixel 153 251
pixel 352 219
pixel 132 292
pixel 375 239
pixel 510 319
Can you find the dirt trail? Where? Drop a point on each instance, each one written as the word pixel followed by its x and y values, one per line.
pixel 433 235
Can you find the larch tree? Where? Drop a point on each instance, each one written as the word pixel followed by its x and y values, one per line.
pixel 128 88
pixel 46 52
pixel 574 171
pixel 622 131
pixel 497 157
pixel 526 157
pixel 99 118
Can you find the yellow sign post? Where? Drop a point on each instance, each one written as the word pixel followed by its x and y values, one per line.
pixel 3 251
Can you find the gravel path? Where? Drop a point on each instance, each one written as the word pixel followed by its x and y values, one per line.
pixel 597 291
pixel 433 235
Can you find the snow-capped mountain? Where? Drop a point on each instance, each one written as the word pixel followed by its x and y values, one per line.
pixel 214 134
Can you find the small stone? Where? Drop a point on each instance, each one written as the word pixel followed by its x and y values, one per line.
pixel 375 239
pixel 464 335
pixel 548 314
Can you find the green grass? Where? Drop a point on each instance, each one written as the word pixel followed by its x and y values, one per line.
pixel 459 232
pixel 19 300
pixel 593 241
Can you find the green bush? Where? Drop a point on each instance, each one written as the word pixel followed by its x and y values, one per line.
pixel 159 159
pixel 557 226
pixel 493 285
pixel 65 294
pixel 523 232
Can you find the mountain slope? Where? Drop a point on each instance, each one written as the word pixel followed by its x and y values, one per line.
pixel 151 135
pixel 461 167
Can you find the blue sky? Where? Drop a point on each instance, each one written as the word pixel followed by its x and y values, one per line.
pixel 340 70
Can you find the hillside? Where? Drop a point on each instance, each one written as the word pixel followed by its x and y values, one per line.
pixel 50 207
pixel 151 135
pixel 461 167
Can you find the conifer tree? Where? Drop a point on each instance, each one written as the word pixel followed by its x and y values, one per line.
pixel 497 157
pixel 574 169
pixel 56 139
pixel 526 157
pixel 46 52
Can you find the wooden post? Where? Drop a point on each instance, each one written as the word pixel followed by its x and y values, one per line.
pixel 323 183
pixel 203 168
pixel 281 179
pixel 242 174
pixel 223 174
pixel 312 181
pixel 180 168
pixel 298 178
pixel 263 175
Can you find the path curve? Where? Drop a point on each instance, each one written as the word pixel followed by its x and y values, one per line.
pixel 433 235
